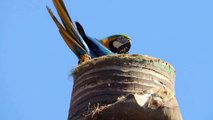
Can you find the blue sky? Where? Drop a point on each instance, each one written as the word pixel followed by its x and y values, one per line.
pixel 35 63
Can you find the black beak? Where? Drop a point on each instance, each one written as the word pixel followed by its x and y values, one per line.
pixel 124 48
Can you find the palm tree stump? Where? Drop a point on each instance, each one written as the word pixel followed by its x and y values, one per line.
pixel 124 87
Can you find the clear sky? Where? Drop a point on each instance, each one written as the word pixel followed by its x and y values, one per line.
pixel 35 63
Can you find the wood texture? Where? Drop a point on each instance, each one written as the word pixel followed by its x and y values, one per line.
pixel 124 87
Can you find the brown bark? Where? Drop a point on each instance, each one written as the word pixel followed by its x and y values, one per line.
pixel 124 87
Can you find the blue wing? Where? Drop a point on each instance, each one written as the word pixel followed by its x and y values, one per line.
pixel 94 45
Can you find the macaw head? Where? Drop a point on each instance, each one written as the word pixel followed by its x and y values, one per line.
pixel 118 43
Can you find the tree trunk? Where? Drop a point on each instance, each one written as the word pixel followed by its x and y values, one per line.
pixel 124 87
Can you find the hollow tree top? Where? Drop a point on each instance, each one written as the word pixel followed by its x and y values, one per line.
pixel 120 59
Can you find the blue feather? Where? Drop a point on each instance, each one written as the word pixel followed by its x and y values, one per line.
pixel 94 45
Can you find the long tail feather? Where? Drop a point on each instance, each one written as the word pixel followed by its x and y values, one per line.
pixel 70 41
pixel 61 9
pixel 67 22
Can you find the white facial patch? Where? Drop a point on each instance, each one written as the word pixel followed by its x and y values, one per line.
pixel 117 44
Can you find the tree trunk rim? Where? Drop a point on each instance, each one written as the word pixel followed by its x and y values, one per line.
pixel 127 59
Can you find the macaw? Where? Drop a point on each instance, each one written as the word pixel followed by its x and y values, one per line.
pixel 87 47
pixel 72 38
pixel 116 43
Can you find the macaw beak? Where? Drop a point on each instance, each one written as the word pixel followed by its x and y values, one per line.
pixel 124 48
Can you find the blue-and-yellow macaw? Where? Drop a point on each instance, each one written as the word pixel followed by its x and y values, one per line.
pixel 87 47
pixel 116 43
